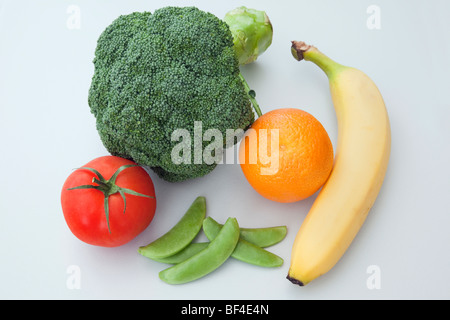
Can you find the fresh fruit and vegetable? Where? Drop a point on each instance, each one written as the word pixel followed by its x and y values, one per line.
pixel 189 251
pixel 259 237
pixel 207 260
pixel 108 201
pixel 156 73
pixel 245 251
pixel 263 237
pixel 363 149
pixel 198 259
pixel 252 33
pixel 301 155
pixel 181 235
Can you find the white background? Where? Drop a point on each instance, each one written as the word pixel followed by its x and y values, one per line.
pixel 46 130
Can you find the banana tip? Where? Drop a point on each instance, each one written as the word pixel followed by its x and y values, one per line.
pixel 295 281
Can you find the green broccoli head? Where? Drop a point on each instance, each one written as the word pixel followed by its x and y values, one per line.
pixel 156 73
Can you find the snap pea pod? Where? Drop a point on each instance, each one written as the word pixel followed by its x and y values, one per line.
pixel 192 249
pixel 262 237
pixel 245 251
pixel 208 259
pixel 180 236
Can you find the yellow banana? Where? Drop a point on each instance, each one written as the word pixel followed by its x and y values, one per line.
pixel 362 156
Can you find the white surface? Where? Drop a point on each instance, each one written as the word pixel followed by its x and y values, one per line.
pixel 46 130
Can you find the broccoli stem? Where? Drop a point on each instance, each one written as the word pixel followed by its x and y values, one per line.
pixel 251 95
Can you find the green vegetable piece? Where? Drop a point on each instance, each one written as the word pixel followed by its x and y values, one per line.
pixel 154 74
pixel 192 249
pixel 207 260
pixel 244 251
pixel 252 33
pixel 179 237
pixel 262 237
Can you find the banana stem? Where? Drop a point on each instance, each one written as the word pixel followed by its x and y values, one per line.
pixel 302 51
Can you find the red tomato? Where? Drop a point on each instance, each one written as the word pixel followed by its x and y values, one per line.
pixel 112 222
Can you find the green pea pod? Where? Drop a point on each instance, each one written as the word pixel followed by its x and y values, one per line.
pixel 207 260
pixel 245 251
pixel 262 237
pixel 192 249
pixel 180 236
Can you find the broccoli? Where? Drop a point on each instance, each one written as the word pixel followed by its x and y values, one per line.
pixel 154 73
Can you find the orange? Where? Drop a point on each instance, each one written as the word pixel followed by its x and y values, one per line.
pixel 286 155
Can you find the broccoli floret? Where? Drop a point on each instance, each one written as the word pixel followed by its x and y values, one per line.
pixel 155 73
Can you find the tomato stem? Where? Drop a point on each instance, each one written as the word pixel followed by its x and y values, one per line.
pixel 109 187
pixel 102 186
